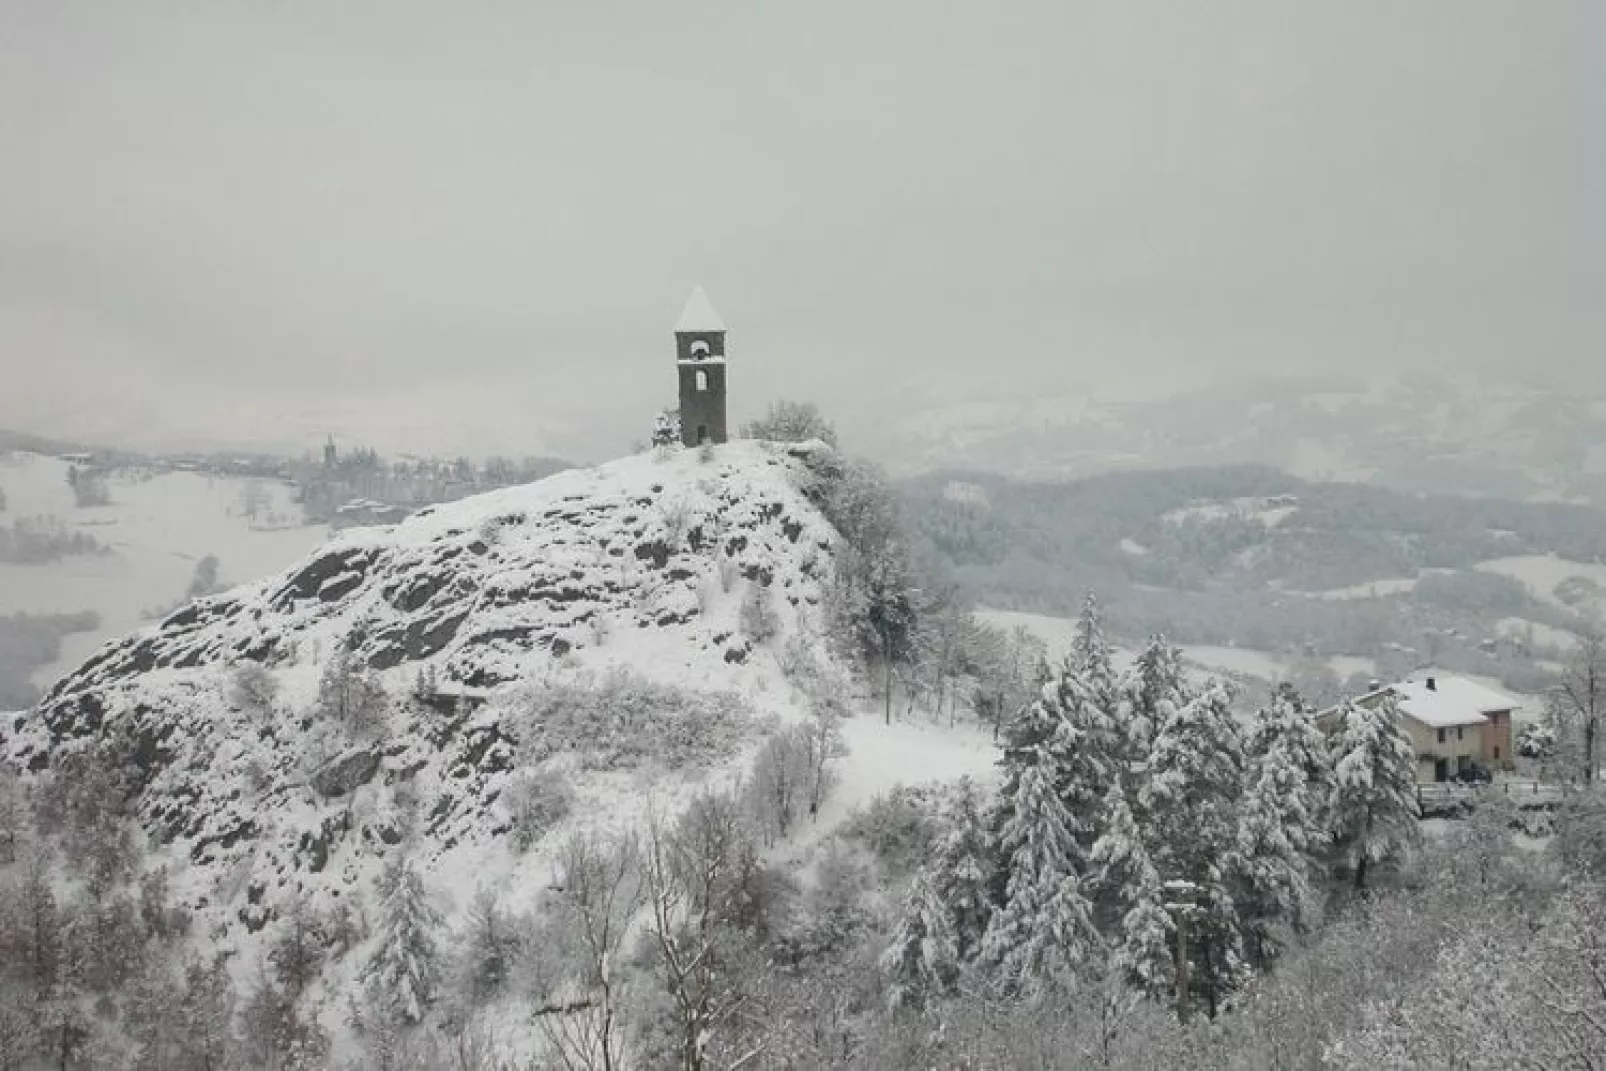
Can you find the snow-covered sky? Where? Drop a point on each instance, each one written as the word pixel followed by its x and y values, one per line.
pixel 472 226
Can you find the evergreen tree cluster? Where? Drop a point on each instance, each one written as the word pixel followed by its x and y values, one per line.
pixel 1130 800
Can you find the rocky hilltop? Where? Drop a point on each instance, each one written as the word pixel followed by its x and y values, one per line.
pixel 451 625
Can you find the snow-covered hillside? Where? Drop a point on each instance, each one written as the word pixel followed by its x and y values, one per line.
pixel 1451 434
pixel 643 563
pixel 594 632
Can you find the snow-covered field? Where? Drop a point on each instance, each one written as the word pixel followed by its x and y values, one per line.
pixel 1247 509
pixel 1536 632
pixel 1346 666
pixel 1237 660
pixel 1267 666
pixel 1542 572
pixel 1372 589
pixel 158 528
pixel 907 752
pixel 1056 632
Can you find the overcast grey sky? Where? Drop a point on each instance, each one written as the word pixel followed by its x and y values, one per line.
pixel 471 226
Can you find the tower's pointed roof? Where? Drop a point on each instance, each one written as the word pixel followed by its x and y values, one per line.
pixel 699 314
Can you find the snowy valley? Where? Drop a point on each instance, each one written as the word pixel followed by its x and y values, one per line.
pixel 429 796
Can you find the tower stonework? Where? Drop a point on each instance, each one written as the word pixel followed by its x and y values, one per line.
pixel 700 358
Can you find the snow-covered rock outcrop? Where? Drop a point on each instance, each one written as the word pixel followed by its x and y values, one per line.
pixel 644 562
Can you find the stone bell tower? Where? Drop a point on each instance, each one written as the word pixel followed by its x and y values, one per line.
pixel 700 356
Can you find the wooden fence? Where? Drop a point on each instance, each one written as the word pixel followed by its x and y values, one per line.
pixel 1449 797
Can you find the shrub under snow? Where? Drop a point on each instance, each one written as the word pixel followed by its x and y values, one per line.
pixel 537 800
pixel 625 720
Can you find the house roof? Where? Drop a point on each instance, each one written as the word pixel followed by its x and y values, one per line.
pixel 699 314
pixel 1451 701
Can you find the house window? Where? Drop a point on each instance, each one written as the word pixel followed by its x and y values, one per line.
pixel 1441 736
pixel 702 380
pixel 1458 732
pixel 1497 754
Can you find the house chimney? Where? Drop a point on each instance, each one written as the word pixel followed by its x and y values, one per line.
pixel 1433 685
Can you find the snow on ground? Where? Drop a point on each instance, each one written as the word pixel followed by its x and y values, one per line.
pixel 643 563
pixel 1542 572
pixel 1267 666
pixel 1269 512
pixel 907 752
pixel 880 757
pixel 1536 632
pixel 1372 589
pixel 1242 660
pixel 1346 666
pixel 1131 546
pixel 1056 632
pixel 158 529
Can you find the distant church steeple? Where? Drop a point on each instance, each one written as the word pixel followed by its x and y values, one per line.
pixel 700 355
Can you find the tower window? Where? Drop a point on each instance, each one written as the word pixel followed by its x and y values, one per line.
pixel 699 349
pixel 702 380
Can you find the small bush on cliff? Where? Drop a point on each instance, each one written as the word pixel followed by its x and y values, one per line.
pixel 624 720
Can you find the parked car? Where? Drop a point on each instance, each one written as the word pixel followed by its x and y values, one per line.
pixel 1474 774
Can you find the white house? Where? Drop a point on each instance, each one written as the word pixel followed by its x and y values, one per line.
pixel 1453 722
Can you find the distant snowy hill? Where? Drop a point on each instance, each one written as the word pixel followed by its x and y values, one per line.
pixel 1443 434
pixel 644 563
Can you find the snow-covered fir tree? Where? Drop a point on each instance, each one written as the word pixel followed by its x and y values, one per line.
pixel 1189 802
pixel 1285 725
pixel 921 961
pixel 1042 937
pixel 1281 824
pixel 1194 775
pixel 963 869
pixel 1066 727
pixel 403 972
pixel 1085 749
pixel 1150 691
pixel 1090 655
pixel 1130 902
pixel 1031 729
pixel 1372 811
pixel 1270 872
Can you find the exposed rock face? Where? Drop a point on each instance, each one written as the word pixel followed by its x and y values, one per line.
pixel 346 773
pixel 639 563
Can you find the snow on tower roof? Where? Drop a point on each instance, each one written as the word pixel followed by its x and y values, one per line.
pixel 699 314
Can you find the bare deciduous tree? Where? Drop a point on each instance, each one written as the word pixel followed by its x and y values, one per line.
pixel 1576 709
pixel 691 875
pixel 598 889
